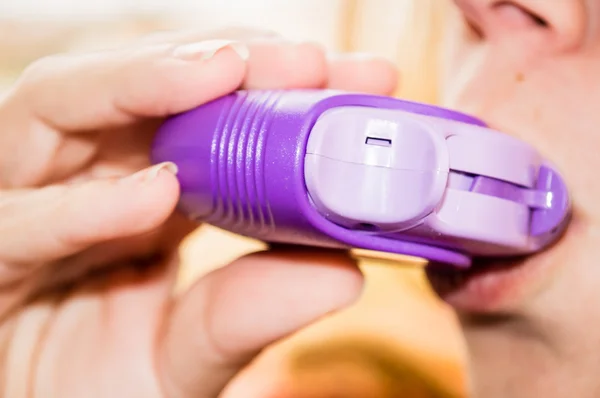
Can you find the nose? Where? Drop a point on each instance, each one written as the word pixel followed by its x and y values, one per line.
pixel 548 24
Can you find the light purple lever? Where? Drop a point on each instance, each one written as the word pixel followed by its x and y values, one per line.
pixel 335 169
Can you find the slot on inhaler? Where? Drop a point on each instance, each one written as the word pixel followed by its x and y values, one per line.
pixel 357 179
pixel 384 142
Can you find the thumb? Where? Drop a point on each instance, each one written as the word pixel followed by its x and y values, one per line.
pixel 230 315
pixel 43 225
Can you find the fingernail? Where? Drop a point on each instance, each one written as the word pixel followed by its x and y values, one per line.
pixel 207 49
pixel 153 172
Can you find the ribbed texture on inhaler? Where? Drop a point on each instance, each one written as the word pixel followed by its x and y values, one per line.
pixel 237 164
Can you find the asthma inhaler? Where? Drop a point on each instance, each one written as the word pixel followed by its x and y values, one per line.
pixel 353 171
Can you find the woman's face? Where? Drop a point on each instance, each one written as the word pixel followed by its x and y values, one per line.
pixel 531 68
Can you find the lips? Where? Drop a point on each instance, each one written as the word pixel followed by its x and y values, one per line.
pixel 488 286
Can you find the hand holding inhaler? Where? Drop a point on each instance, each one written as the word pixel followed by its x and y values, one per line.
pixel 89 236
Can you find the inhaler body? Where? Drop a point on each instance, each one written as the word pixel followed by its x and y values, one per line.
pixel 344 170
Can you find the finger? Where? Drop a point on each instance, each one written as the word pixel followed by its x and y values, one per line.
pixel 57 221
pixel 363 73
pixel 232 314
pixel 115 88
pixel 279 64
pixel 274 63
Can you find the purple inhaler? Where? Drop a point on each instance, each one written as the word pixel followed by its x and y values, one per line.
pixel 343 170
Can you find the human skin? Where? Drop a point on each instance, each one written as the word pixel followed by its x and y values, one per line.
pixel 530 68
pixel 89 235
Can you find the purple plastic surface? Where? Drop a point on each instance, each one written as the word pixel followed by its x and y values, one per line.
pixel 241 162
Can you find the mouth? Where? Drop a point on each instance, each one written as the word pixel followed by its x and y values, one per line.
pixel 488 286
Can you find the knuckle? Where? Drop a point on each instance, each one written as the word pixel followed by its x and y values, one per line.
pixel 41 69
pixel 314 65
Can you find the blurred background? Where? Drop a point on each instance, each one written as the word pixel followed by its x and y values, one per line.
pixel 399 340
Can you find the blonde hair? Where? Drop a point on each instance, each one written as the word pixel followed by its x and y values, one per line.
pixel 409 32
pixel 419 54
